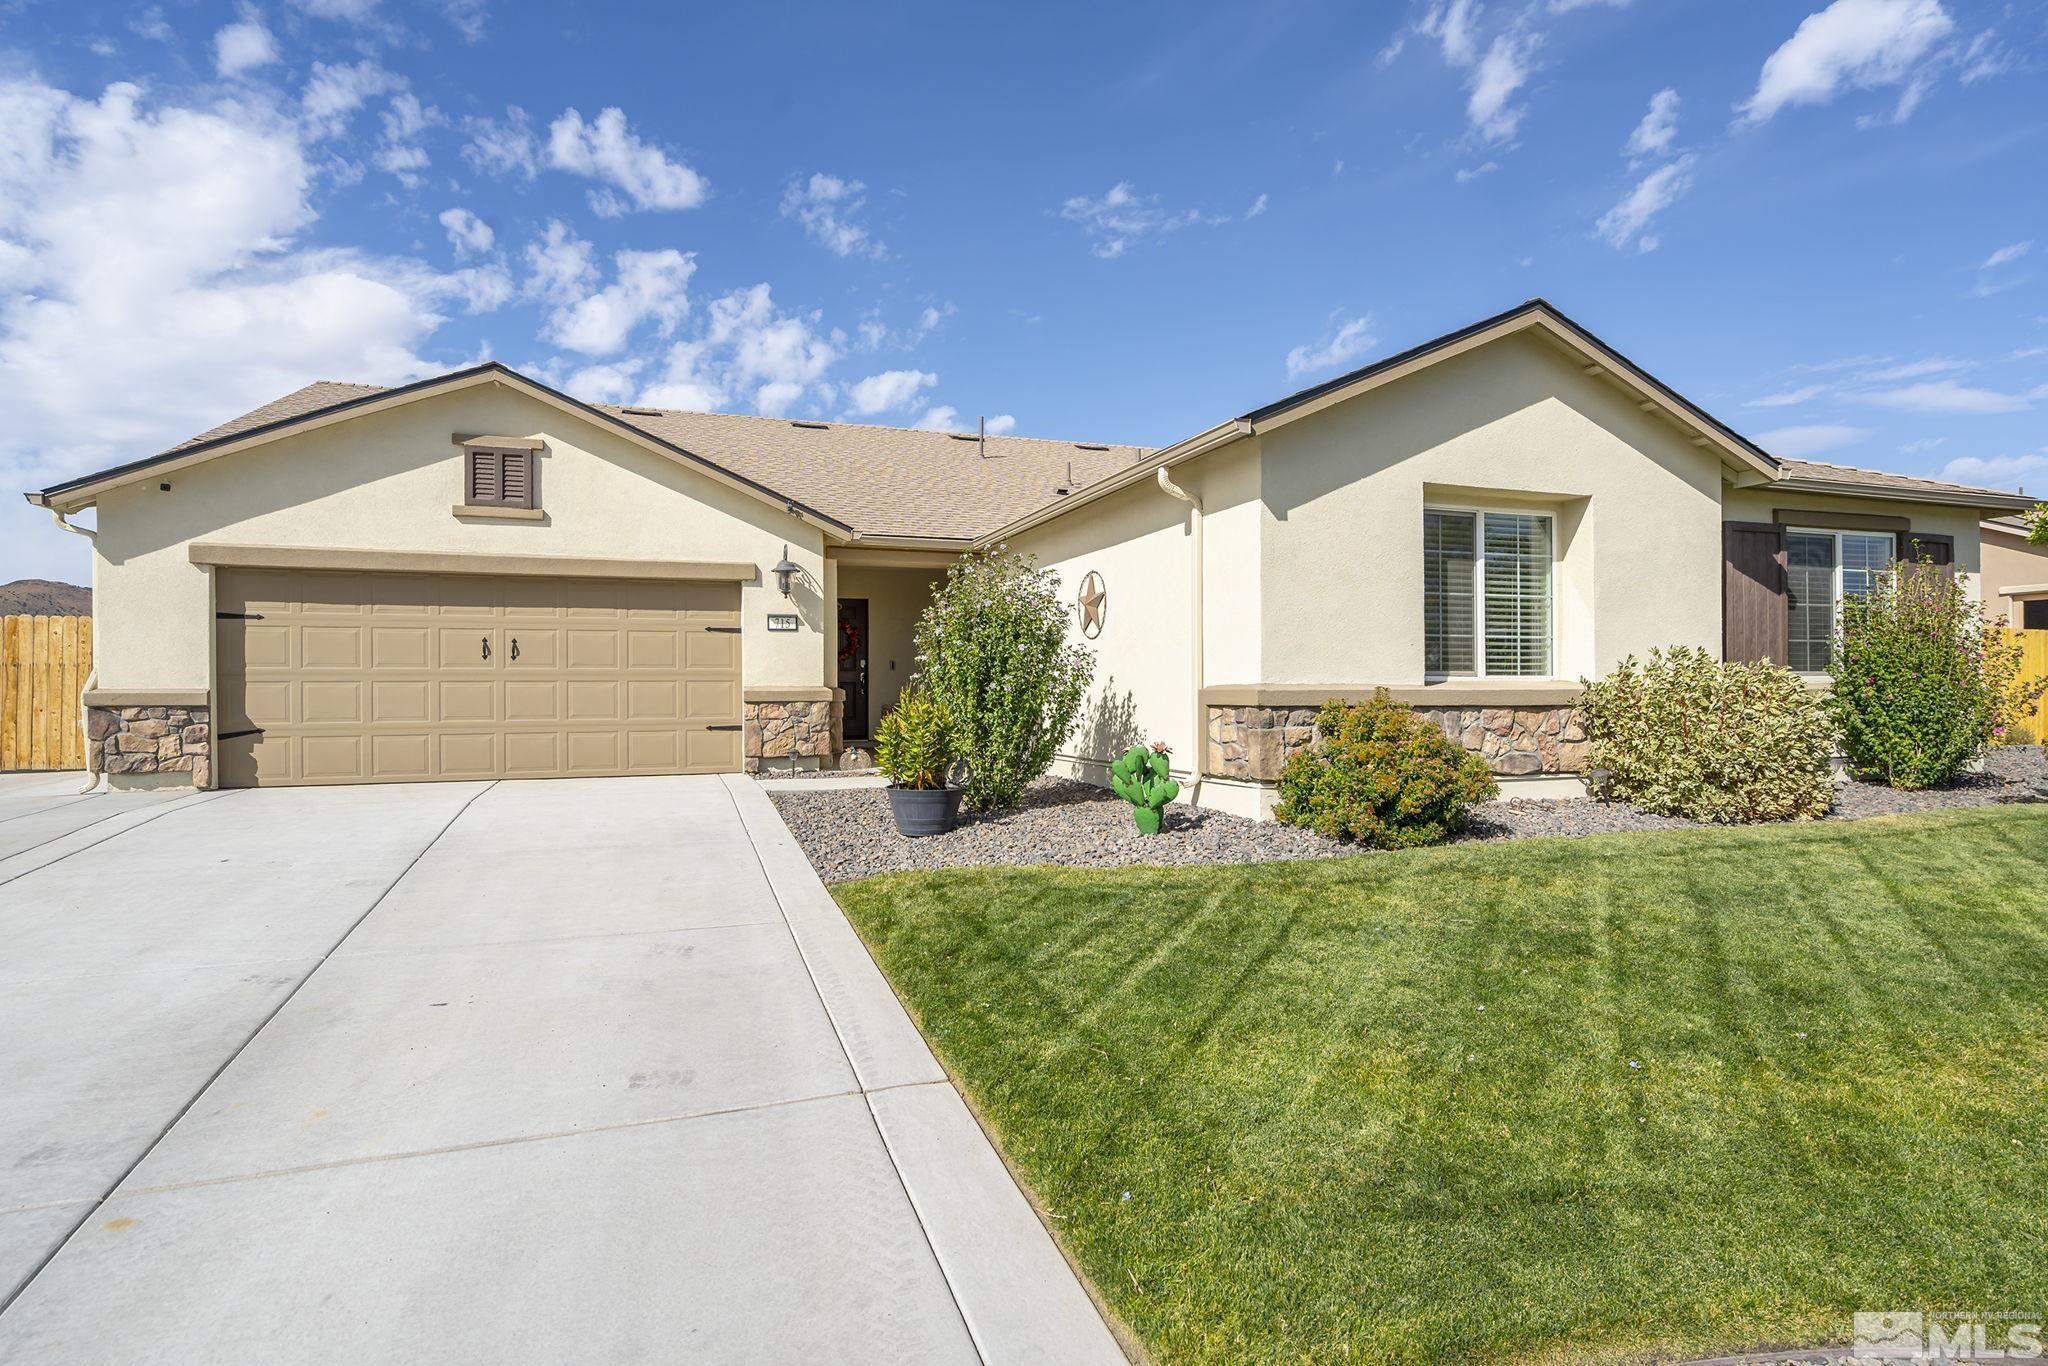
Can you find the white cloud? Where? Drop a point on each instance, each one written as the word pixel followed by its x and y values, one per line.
pixel 243 46
pixel 1465 175
pixel 647 286
pixel 1789 397
pixel 1654 193
pixel 1915 369
pixel 606 150
pixel 1351 340
pixel 1567 6
pixel 1923 445
pixel 1999 472
pixel 613 383
pixel 468 234
pixel 1852 44
pixel 888 391
pixel 559 264
pixel 1946 396
pixel 1258 207
pixel 1504 69
pixel 1450 23
pixel 1658 130
pixel 502 148
pixel 1122 217
pixel 1798 442
pixel 334 93
pixel 749 351
pixel 156 284
pixel 343 11
pixel 828 207
pixel 2005 256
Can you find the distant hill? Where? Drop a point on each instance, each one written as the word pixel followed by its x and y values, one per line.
pixel 43 598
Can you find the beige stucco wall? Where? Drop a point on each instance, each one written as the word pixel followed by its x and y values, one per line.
pixel 896 598
pixel 1140 542
pixel 1517 424
pixel 387 481
pixel 2009 560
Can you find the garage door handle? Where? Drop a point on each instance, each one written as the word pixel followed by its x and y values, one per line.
pixel 721 727
pixel 487 647
pixel 515 647
pixel 238 734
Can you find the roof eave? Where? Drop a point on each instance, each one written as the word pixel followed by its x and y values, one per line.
pixel 1973 499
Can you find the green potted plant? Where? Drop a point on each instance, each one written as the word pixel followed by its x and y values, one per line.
pixel 1143 778
pixel 915 745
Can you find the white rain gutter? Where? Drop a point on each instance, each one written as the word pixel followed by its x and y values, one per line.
pixel 92 675
pixel 1200 730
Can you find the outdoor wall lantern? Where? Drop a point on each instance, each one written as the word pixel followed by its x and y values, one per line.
pixel 784 572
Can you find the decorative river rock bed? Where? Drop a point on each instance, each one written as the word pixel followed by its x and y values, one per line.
pixel 847 834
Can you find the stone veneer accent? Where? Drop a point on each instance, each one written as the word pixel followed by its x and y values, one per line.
pixel 795 729
pixel 1256 742
pixel 151 740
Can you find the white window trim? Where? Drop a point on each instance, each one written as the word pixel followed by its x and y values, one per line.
pixel 1479 591
pixel 1835 592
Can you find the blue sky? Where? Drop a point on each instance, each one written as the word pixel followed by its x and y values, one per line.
pixel 1824 222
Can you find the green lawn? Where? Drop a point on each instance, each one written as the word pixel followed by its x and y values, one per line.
pixel 1663 1094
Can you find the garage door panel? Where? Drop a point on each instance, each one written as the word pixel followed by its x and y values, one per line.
pixel 389 678
pixel 585 648
pixel 711 650
pixel 401 647
pixel 401 758
pixel 462 700
pixel 533 753
pixel 593 753
pixel 330 703
pixel 401 702
pixel 533 699
pixel 333 758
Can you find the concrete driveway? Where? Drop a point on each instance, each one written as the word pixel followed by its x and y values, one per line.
pixel 582 1070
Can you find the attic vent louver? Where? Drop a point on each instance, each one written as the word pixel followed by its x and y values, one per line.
pixel 963 436
pixel 1088 446
pixel 642 412
pixel 812 426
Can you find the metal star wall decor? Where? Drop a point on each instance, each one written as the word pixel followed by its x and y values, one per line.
pixel 1094 601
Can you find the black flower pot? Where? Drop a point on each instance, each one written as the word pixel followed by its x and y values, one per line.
pixel 925 810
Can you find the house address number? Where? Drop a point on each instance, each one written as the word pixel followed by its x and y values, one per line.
pixel 782 621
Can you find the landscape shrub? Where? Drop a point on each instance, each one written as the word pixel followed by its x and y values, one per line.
pixel 1382 776
pixel 1910 692
pixel 1686 734
pixel 992 649
pixel 917 741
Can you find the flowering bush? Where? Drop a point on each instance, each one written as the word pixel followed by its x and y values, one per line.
pixel 992 650
pixel 1686 734
pixel 1382 776
pixel 1911 691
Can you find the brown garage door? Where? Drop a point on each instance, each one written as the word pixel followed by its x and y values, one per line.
pixel 365 678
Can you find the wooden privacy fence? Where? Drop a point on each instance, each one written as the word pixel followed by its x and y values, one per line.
pixel 43 665
pixel 2034 664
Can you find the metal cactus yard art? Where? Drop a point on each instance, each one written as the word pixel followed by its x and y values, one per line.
pixel 1142 778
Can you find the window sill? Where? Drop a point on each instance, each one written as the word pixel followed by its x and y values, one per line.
pixel 498 514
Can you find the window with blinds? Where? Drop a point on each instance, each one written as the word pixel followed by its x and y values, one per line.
pixel 1486 593
pixel 1824 569
pixel 500 478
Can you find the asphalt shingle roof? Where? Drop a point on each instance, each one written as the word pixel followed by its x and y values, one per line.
pixel 1878 479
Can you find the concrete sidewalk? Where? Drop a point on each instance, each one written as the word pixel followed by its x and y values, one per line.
pixel 583 1070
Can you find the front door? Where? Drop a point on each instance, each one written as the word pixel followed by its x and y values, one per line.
pixel 853 664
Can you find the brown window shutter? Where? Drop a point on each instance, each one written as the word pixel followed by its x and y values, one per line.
pixel 485 485
pixel 515 478
pixel 1938 551
pixel 1754 623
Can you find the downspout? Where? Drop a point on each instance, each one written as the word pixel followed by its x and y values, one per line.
pixel 92 675
pixel 1200 730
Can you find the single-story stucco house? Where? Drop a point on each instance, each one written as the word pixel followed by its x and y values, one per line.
pixel 2015 574
pixel 475 575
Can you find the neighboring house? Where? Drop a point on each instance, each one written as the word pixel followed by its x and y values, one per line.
pixel 475 575
pixel 2015 579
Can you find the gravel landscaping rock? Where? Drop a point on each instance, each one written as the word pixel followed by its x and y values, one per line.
pixel 848 834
